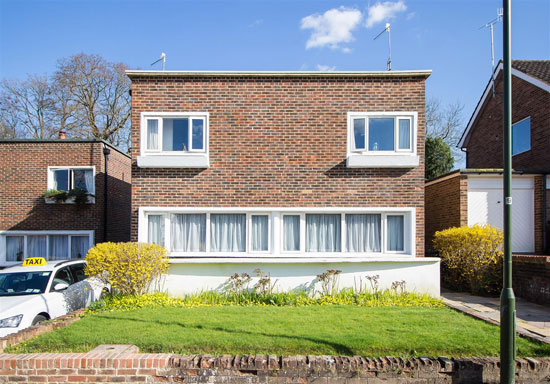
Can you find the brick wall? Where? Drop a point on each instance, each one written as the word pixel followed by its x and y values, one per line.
pixel 531 278
pixel 446 204
pixel 119 192
pixel 278 142
pixel 168 368
pixel 486 139
pixel 23 180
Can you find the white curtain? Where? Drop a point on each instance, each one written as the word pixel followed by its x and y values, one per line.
pixel 89 180
pixel 323 233
pixel 227 232
pixel 152 134
pixel 59 247
pixel 189 232
pixel 79 246
pixel 260 234
pixel 291 233
pixel 404 134
pixel 14 248
pixel 155 229
pixel 36 246
pixel 363 233
pixel 395 233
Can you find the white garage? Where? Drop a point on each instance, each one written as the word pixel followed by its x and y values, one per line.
pixel 485 206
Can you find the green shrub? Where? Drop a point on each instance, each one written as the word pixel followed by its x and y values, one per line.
pixel 471 258
pixel 130 268
pixel 387 298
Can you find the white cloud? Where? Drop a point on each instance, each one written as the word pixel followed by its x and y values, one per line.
pixel 385 11
pixel 256 23
pixel 326 68
pixel 332 28
pixel 411 15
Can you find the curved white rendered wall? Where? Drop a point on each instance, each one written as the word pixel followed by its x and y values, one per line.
pixel 420 274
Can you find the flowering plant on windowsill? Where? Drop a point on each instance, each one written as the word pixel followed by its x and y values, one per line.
pixel 74 196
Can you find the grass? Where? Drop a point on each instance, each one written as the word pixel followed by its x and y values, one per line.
pixel 285 330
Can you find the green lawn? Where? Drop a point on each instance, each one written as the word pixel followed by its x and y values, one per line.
pixel 320 330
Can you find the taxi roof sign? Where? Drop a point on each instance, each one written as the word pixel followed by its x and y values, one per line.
pixel 34 261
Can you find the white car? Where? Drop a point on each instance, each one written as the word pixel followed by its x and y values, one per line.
pixel 31 293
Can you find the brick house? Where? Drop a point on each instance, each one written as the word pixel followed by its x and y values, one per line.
pixel 474 195
pixel 31 225
pixel 294 173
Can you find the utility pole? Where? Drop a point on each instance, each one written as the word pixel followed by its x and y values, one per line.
pixel 507 298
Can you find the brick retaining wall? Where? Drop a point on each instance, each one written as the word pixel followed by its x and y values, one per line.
pixel 531 278
pixel 124 365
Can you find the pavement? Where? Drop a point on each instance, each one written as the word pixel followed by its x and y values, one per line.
pixel 532 320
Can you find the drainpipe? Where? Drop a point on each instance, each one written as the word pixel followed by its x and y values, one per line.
pixel 544 187
pixel 106 152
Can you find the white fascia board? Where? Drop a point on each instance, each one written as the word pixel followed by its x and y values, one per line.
pixel 302 260
pixel 382 161
pixel 167 161
pixel 425 73
pixel 515 72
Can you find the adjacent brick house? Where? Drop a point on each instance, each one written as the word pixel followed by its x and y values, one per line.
pixel 291 172
pixel 31 225
pixel 474 195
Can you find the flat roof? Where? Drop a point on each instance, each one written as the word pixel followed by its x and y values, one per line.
pixel 37 141
pixel 411 73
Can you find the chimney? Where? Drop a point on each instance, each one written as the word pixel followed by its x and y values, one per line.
pixel 62 135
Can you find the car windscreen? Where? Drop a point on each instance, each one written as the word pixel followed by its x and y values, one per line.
pixel 23 283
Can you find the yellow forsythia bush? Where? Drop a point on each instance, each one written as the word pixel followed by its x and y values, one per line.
pixel 471 258
pixel 130 268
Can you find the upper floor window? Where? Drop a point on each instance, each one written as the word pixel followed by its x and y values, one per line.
pixel 70 178
pixel 521 136
pixel 175 133
pixel 180 138
pixel 381 133
pixel 390 137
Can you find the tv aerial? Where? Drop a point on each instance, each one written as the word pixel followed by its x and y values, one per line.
pixel 490 25
pixel 163 58
pixel 387 29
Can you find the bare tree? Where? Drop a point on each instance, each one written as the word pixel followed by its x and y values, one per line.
pixel 27 108
pixel 445 122
pixel 97 96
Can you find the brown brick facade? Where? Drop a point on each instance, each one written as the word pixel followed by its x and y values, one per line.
pixel 485 142
pixel 278 142
pixel 446 204
pixel 23 179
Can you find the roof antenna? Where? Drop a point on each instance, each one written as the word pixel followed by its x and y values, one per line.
pixel 387 29
pixel 163 58
pixel 490 25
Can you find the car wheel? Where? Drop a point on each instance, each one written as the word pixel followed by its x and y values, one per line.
pixel 38 319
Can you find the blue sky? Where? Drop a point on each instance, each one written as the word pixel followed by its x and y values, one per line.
pixel 441 35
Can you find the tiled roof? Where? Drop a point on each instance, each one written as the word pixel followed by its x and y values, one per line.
pixel 536 68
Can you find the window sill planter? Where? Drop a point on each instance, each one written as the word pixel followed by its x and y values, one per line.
pixel 70 200
pixel 382 161
pixel 199 160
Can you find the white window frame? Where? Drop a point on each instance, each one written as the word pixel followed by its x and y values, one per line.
pixel 385 233
pixel 249 231
pixel 160 116
pixel 25 234
pixel 302 233
pixel 51 170
pixel 276 231
pixel 411 116
pixel 396 158
pixel 517 122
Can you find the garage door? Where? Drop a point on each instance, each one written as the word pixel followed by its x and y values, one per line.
pixel 485 207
